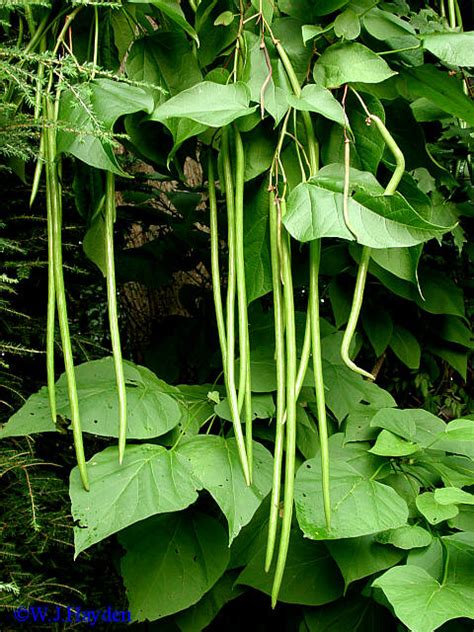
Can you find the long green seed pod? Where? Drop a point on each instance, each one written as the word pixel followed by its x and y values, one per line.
pixel 230 305
pixel 37 173
pixel 56 220
pixel 312 148
pixel 51 309
pixel 357 301
pixel 110 213
pixel 280 375
pixel 215 270
pixel 358 297
pixel 38 103
pixel 314 259
pixel 245 394
pixel 289 311
pixel 305 353
pixel 315 256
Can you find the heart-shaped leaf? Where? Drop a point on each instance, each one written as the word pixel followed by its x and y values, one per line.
pixel 360 557
pixel 314 211
pixel 350 62
pixel 420 601
pixel 456 49
pixel 359 504
pixel 207 103
pixel 171 562
pixel 87 114
pixel 153 407
pixel 150 480
pixel 389 444
pixel 173 10
pixel 215 463
pixel 434 511
pixel 317 99
pixel 311 577
pixel 407 537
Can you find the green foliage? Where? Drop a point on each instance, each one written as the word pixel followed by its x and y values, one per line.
pixel 288 100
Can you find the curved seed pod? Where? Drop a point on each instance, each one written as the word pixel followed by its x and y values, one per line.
pixel 366 251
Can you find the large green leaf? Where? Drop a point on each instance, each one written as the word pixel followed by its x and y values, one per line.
pixel 359 504
pixel 355 613
pixel 430 558
pixel 289 30
pixel 458 438
pixel 307 436
pixel 153 407
pixel 165 59
pixel 207 103
pixel 350 62
pixel 258 271
pixel 256 76
pixel 94 243
pixel 416 425
pixel 332 177
pixel 308 10
pixel 252 538
pixel 455 357
pixel 456 49
pixel 453 495
pixel 420 601
pixel 214 40
pixel 357 424
pixel 440 294
pixel 311 577
pixel 215 463
pixel 171 562
pixel 401 422
pixel 199 402
pixel 384 25
pixel 407 537
pixel 150 480
pixel 440 88
pixel 455 471
pixel 345 389
pixel 406 347
pixel 389 444
pixel 199 616
pixel 454 330
pixel 367 147
pixel 173 10
pixel 263 407
pixel 315 211
pixel 314 98
pixel 263 370
pixel 378 326
pixel 87 114
pixel 361 557
pixel 434 511
pixel 259 151
pixel 347 25
pixel 402 262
